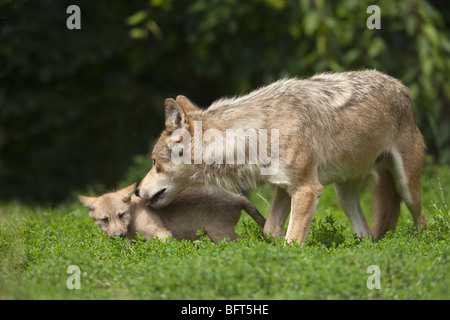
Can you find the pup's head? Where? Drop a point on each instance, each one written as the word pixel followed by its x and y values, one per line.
pixel 167 178
pixel 111 211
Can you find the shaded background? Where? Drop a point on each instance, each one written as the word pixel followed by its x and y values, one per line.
pixel 81 108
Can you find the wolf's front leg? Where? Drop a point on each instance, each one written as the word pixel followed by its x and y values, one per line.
pixel 304 201
pixel 279 210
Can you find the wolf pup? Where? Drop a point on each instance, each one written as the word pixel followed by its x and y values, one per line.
pixel 122 214
pixel 333 128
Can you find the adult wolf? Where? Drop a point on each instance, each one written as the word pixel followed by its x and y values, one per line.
pixel 333 128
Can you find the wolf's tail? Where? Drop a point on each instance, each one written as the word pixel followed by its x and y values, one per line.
pixel 248 207
pixel 386 204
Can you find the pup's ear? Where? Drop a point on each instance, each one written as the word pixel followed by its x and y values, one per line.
pixel 127 192
pixel 175 116
pixel 186 104
pixel 88 202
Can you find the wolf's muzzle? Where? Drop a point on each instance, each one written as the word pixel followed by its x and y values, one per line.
pixel 119 235
pixel 157 196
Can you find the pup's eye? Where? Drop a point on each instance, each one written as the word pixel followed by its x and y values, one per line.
pixel 121 215
pixel 105 220
pixel 154 161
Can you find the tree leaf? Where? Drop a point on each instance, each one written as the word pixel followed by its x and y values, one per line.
pixel 311 22
pixel 136 18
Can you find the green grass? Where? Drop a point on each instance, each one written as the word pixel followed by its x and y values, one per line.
pixel 38 244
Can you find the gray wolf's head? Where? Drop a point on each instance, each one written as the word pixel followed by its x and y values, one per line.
pixel 167 179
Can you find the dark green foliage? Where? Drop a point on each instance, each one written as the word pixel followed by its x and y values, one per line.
pixel 76 105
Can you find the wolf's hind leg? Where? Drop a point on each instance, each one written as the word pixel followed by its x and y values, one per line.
pixel 386 203
pixel 406 168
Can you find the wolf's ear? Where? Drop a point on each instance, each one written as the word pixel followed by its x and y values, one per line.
pixel 186 104
pixel 127 192
pixel 88 202
pixel 175 115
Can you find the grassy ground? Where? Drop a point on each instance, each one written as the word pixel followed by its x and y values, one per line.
pixel 37 245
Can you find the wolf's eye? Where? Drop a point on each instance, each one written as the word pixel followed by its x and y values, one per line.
pixel 105 220
pixel 121 215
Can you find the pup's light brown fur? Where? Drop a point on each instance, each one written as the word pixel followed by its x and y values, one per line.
pixel 334 128
pixel 122 214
